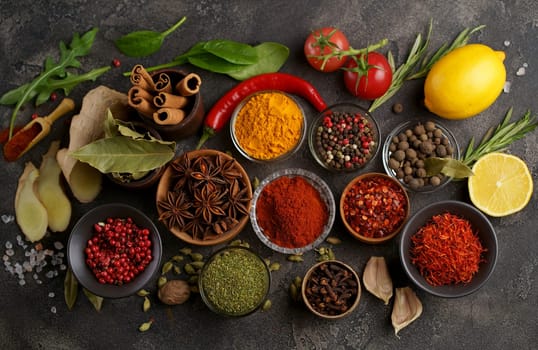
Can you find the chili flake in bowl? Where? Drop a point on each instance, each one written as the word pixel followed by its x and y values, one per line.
pixel 344 138
pixel 374 207
pixel 292 211
pixel 448 249
pixel 268 126
pixel 100 255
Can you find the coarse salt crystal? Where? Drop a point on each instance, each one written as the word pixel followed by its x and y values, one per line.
pixel 58 245
pixel 10 252
pixel 9 245
pixel 22 282
pixel 6 219
pixel 525 64
pixel 507 86
pixel 520 72
pixel 506 43
pixel 53 309
pixel 51 295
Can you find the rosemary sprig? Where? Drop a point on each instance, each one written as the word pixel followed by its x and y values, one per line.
pixel 498 139
pixel 405 70
pixel 461 40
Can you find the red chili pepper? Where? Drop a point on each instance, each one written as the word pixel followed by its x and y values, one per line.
pixel 221 112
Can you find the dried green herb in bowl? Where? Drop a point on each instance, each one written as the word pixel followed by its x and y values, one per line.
pixel 234 281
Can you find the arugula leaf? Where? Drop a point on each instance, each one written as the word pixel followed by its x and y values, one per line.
pixel 144 42
pixel 80 46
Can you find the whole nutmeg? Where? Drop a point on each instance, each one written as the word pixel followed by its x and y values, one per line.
pixel 174 292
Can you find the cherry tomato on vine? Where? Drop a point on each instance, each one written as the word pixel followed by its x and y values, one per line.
pixel 368 77
pixel 326 41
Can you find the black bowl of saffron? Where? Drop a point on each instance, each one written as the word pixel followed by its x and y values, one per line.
pixel 448 249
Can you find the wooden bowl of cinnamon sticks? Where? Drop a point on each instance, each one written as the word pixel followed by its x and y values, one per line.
pixel 167 100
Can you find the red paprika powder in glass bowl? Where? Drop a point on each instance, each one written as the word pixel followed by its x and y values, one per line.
pixel 374 207
pixel 292 211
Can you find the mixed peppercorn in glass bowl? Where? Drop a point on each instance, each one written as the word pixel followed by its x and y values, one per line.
pixel 292 211
pixel 114 250
pixel 409 145
pixel 448 249
pixel 344 138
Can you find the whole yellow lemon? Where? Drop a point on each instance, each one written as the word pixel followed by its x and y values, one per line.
pixel 465 81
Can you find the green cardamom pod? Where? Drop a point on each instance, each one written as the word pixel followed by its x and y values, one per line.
pixel 177 258
pixel 197 264
pixel 333 240
pixel 161 281
pixel 185 251
pixel 274 266
pixel 145 326
pixel 167 267
pixel 142 293
pixel 197 257
pixel 189 269
pixel 177 270
pixel 295 258
pixel 147 304
pixel 266 305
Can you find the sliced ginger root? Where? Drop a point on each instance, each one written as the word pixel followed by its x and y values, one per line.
pixel 30 213
pixel 51 193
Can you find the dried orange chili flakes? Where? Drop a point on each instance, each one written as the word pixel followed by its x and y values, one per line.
pixel 374 207
pixel 446 250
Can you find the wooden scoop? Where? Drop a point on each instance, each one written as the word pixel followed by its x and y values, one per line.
pixel 66 106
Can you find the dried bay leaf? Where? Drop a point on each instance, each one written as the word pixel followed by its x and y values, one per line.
pixel 448 166
pixel 407 308
pixel 121 154
pixel 70 289
pixel 376 278
pixel 96 300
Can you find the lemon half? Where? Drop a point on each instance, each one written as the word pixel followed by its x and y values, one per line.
pixel 501 184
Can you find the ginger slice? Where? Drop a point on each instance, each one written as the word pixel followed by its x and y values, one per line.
pixel 376 278
pixel 30 213
pixel 407 308
pixel 51 193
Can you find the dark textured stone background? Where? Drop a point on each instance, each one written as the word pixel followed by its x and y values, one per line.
pixel 501 315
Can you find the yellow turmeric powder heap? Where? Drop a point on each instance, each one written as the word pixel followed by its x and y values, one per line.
pixel 269 125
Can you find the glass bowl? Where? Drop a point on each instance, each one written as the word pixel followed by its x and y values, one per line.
pixel 395 168
pixel 325 194
pixel 355 136
pixel 83 231
pixel 229 280
pixel 273 113
pixel 387 205
pixel 479 223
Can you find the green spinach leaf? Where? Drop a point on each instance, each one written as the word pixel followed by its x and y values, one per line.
pixel 271 57
pixel 144 42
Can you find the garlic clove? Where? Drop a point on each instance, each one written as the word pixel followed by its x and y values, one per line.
pixel 407 308
pixel 376 278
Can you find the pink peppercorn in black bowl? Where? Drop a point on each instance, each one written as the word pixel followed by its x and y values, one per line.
pixel 344 138
pixel 128 270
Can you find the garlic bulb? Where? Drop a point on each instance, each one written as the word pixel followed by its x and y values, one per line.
pixel 407 308
pixel 376 278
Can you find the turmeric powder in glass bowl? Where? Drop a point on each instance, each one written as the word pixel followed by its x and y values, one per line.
pixel 268 126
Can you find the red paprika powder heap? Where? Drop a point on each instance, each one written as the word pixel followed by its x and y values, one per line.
pixel 20 141
pixel 291 212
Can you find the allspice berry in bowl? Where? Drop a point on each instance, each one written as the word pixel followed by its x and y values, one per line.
pixel 204 197
pixel 331 289
pixel 407 148
pixel 268 126
pixel 344 138
pixel 374 207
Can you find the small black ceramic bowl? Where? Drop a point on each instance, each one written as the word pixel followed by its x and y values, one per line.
pixel 479 224
pixel 83 231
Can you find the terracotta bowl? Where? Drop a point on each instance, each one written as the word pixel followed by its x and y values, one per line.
pixel 306 284
pixel 168 179
pixel 194 110
pixel 388 235
pixel 153 176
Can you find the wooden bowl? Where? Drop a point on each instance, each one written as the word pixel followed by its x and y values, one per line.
pixel 168 179
pixel 388 236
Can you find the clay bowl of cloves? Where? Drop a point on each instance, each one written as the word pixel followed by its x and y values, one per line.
pixel 168 100
pixel 204 197
pixel 331 289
